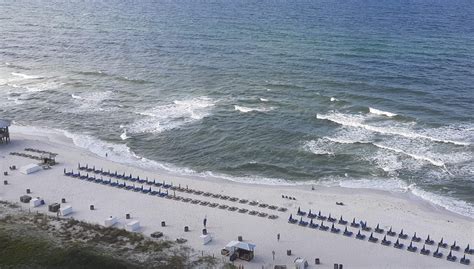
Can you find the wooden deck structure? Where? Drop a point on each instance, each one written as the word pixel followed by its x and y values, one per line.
pixel 4 133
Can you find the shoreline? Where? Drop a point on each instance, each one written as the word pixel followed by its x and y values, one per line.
pixel 397 210
pixel 68 139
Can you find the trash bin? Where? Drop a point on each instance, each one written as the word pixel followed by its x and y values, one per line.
pixel 186 228
pixel 239 238
pixel 288 252
pixel 316 261
pixel 163 224
pixel 204 231
pixel 91 207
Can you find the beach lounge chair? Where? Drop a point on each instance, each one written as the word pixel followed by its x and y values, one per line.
pixel 398 245
pixel 292 220
pixel 402 235
pixel 320 216
pixel 347 232
pixel 313 225
pixel 386 242
pixel 243 210
pixel 322 227
pixel 437 254
pixel 378 229
pixel 253 212
pixel 272 207
pixel 428 241
pixel 253 203
pixel 455 247
pixel 331 219
pixel 334 229
pixel 222 206
pixel 129 187
pixel 272 216
pixel 121 185
pixel 415 238
pixel 342 221
pixel 442 244
pixel 300 213
pixel 372 238
pixel 465 260
pixel 365 227
pixel 451 257
pixel 360 236
pixel 242 201
pixel 468 250
pixel 311 215
pixel 282 209
pixel 390 232
pixel 425 251
pixel 354 223
pixel 302 222
pixel 412 248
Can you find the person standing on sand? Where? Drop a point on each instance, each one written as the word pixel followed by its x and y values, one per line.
pixel 278 237
pixel 205 221
pixel 273 254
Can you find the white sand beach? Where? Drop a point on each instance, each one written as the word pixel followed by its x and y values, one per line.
pixel 399 211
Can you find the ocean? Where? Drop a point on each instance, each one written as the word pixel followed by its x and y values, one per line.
pixel 358 94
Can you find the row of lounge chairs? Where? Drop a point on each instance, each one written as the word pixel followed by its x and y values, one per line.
pixel 40 151
pixel 170 186
pixel 386 242
pixel 163 193
pixel 26 155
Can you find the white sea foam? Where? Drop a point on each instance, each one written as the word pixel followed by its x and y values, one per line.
pixel 167 117
pixel 244 109
pixel 414 156
pixel 318 147
pixel 89 101
pixel 357 121
pixel 333 99
pixel 24 76
pixel 381 112
pixel 124 135
pixel 263 99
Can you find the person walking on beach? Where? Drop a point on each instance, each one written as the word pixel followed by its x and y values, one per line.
pixel 273 254
pixel 278 237
pixel 205 221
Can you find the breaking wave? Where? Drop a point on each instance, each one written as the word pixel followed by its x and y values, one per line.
pixel 170 116
pixel 244 109
pixel 358 122
pixel 381 112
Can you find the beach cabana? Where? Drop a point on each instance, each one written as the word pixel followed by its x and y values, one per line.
pixel 110 221
pixel 301 263
pixel 242 250
pixel 206 238
pixel 29 168
pixel 35 202
pixel 65 210
pixel 132 226
pixel 4 133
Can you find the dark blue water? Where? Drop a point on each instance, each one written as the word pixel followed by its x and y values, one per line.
pixel 374 94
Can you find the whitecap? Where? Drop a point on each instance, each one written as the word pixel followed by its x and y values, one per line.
pixel 263 100
pixel 170 116
pixel 318 147
pixel 358 122
pixel 24 76
pixel 381 112
pixel 333 99
pixel 244 109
